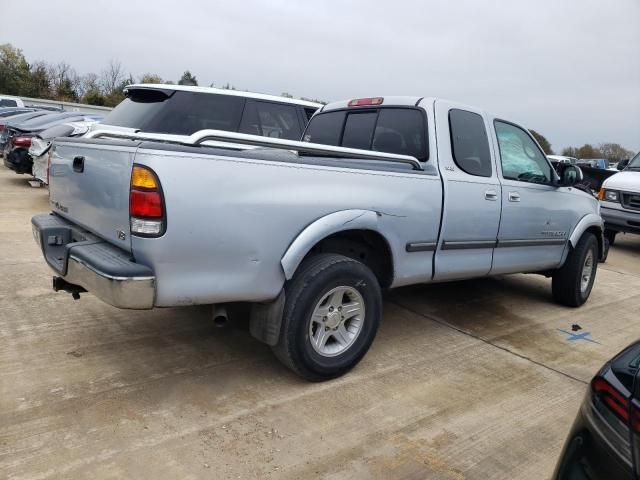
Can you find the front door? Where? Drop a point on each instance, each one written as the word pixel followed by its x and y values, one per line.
pixel 472 193
pixel 536 214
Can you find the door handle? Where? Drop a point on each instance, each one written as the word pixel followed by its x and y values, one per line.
pixel 514 197
pixel 78 164
pixel 491 195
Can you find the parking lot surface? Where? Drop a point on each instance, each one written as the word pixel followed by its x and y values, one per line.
pixel 469 380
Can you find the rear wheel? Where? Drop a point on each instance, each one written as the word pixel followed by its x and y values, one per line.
pixel 572 283
pixel 331 316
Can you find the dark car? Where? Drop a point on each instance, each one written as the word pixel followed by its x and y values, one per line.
pixel 604 443
pixel 18 137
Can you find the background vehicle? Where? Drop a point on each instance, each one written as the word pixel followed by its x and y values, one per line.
pixel 11 111
pixel 394 191
pixel 18 137
pixel 620 201
pixel 175 112
pixel 606 433
pixel 562 159
pixel 6 101
pixel 5 122
pixel 41 144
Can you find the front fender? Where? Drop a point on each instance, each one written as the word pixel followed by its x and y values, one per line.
pixel 321 228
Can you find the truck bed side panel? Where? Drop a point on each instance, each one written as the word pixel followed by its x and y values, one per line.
pixel 230 221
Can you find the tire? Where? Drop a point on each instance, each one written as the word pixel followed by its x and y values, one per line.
pixel 323 283
pixel 610 235
pixel 567 283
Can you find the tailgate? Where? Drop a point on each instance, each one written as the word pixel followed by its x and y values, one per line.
pixel 89 185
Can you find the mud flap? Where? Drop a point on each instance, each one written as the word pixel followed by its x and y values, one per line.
pixel 266 319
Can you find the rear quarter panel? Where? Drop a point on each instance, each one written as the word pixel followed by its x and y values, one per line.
pixel 230 221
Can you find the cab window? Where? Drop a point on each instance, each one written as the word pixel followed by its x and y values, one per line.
pixel 469 143
pixel 521 158
pixel 391 130
pixel 271 120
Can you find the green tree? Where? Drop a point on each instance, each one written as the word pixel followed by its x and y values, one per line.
pixel 14 70
pixel 188 79
pixel 39 85
pixel 570 152
pixel 544 143
pixel 588 151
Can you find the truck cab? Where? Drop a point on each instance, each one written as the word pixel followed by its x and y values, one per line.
pixel 505 210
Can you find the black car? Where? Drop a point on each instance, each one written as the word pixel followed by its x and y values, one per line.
pixel 18 137
pixel 604 443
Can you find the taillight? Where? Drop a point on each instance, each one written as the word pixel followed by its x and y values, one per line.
pixel 146 205
pixel 617 402
pixel 1 128
pixel 361 102
pixel 21 141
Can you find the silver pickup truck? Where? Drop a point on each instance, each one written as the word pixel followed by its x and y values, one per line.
pixel 382 192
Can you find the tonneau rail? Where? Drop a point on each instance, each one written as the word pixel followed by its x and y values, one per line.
pixel 258 141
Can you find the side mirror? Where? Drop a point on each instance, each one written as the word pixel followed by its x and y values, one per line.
pixel 571 174
pixel 622 164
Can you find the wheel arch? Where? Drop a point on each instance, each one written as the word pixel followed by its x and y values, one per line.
pixel 591 223
pixel 354 233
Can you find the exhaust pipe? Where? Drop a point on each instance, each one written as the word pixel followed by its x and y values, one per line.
pixel 220 317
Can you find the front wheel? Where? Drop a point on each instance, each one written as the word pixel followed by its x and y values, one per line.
pixel 572 283
pixel 331 316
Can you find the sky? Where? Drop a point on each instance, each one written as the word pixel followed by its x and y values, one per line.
pixel 569 69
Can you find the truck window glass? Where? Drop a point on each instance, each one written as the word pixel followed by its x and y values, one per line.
pixel 5 102
pixel 358 130
pixel 402 131
pixel 308 112
pixel 469 143
pixel 183 113
pixel 325 128
pixel 520 157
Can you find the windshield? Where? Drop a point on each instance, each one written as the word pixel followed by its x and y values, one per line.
pixel 634 164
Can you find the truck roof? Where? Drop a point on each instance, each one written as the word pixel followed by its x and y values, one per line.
pixel 222 91
pixel 403 100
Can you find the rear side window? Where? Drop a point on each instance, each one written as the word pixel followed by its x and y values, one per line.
pixel 271 120
pixel 391 130
pixel 6 102
pixel 183 113
pixel 325 128
pixel 469 143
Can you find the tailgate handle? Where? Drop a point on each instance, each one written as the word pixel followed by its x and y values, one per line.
pixel 78 164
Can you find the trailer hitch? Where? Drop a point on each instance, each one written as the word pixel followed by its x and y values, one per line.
pixel 60 283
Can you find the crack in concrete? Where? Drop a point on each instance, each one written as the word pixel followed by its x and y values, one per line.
pixel 488 342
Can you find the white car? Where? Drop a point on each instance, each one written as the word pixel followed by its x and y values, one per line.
pixel 620 201
pixel 10 101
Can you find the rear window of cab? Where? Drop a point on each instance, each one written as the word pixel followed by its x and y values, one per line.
pixel 384 129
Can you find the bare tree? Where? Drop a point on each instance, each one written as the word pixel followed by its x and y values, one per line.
pixel 112 77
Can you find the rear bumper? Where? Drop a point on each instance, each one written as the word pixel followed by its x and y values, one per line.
pixel 84 260
pixel 621 220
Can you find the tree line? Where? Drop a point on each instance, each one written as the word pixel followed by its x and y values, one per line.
pixel 60 81
pixel 613 152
